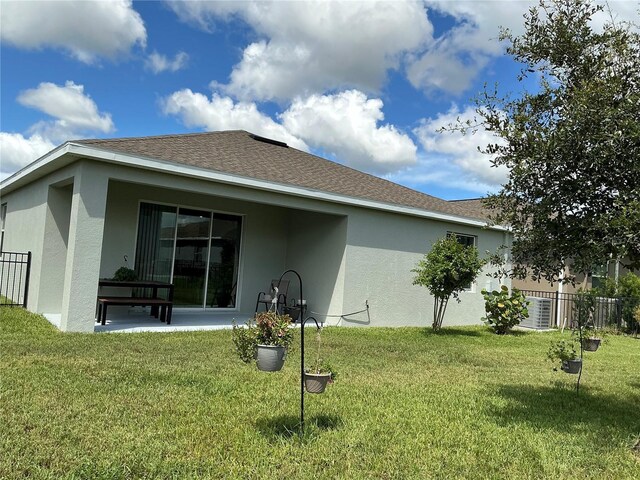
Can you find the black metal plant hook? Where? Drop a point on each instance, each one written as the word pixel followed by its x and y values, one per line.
pixel 302 323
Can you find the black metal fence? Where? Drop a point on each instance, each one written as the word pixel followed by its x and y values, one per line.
pixel 608 312
pixel 15 270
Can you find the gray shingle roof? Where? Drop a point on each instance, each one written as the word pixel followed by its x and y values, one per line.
pixel 241 153
pixel 473 206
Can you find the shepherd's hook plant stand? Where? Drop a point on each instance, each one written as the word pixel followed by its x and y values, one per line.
pixel 302 323
pixel 581 359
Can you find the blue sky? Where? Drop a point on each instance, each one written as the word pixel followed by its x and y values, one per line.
pixel 366 84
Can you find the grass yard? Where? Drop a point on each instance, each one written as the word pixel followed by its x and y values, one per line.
pixel 408 404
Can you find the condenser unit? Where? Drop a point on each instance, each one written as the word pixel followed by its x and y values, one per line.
pixel 539 313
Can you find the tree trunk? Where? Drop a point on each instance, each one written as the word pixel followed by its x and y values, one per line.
pixel 439 308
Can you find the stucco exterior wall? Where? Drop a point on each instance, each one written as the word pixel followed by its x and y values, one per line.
pixel 316 250
pixel 27 211
pixel 382 249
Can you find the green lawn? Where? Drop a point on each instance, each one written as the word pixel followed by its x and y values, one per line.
pixel 408 404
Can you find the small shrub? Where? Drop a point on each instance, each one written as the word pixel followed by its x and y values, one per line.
pixel 245 341
pixel 504 310
pixel 446 271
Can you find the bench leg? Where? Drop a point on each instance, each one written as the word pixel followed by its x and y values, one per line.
pixel 104 313
pixel 169 310
pixel 163 313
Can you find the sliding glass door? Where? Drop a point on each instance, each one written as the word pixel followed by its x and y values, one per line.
pixel 191 257
pixel 198 250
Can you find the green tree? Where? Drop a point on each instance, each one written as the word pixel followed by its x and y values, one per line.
pixel 446 271
pixel 572 146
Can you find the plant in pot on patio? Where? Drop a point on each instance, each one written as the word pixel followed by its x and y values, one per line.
pixel 125 274
pixel 266 338
pixel 321 372
pixel 565 352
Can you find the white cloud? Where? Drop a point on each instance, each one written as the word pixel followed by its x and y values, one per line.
pixel 310 47
pixel 74 111
pixel 453 149
pixel 16 151
pixel 159 63
pixel 85 29
pixel 346 126
pixel 454 59
pixel 75 114
pixel 222 113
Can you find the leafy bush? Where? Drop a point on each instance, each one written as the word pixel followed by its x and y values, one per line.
pixel 245 341
pixel 266 328
pixel 504 310
pixel 125 274
pixel 446 271
pixel 629 290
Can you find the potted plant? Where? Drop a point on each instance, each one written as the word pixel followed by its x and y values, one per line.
pixel 591 339
pixel 125 274
pixel 584 307
pixel 321 373
pixel 565 353
pixel 266 339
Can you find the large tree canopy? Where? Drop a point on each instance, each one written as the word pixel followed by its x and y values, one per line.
pixel 573 145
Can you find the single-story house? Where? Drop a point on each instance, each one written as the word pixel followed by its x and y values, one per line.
pixel 220 215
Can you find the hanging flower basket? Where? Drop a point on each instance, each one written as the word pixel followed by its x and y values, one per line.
pixel 270 358
pixel 591 344
pixel 572 366
pixel 316 382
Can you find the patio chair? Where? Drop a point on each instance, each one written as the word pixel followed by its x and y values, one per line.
pixel 267 298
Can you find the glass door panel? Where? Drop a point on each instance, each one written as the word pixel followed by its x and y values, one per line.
pixel 224 261
pixel 154 246
pixel 191 257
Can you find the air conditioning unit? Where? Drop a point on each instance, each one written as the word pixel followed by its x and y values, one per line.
pixel 539 313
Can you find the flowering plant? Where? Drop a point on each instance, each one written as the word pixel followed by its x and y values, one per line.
pixel 266 328
pixel 273 329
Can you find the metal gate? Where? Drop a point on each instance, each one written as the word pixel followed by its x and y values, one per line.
pixel 15 270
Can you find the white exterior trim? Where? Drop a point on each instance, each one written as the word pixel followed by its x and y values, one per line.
pixel 77 151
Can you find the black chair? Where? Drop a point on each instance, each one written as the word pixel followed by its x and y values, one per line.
pixel 268 298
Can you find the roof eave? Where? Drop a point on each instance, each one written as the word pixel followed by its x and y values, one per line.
pixel 74 151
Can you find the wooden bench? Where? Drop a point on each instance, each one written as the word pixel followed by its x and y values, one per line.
pixel 165 307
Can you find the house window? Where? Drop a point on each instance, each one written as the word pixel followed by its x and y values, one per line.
pixel 3 218
pixel 599 276
pixel 467 241
pixel 197 250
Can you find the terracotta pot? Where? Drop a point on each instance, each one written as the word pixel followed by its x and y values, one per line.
pixel 270 358
pixel 316 382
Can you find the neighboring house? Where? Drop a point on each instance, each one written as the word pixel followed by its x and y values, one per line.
pixel 612 269
pixel 221 214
